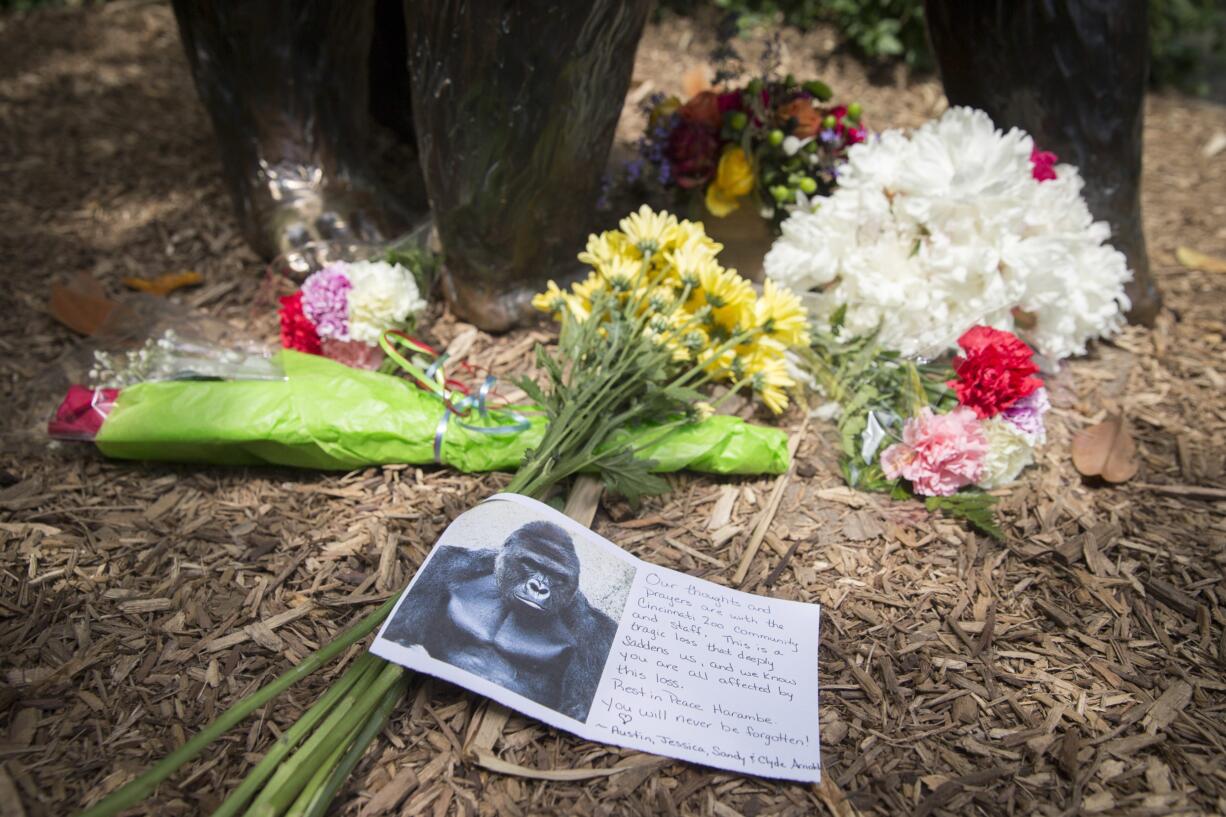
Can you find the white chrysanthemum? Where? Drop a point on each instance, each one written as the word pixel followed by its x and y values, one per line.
pixel 931 233
pixel 1009 451
pixel 383 295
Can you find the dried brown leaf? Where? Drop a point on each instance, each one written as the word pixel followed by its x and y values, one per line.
pixel 80 310
pixel 1106 450
pixel 164 284
pixel 1193 259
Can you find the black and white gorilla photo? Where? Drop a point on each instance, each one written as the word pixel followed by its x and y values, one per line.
pixel 516 614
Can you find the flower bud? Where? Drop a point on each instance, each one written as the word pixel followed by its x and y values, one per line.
pixel 737 120
pixel 854 110
pixel 780 192
pixel 819 89
pixel 829 122
pixel 808 186
pixel 775 137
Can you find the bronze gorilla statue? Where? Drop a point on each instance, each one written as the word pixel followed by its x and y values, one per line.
pixel 513 616
pixel 1072 73
pixel 510 108
pixel 513 108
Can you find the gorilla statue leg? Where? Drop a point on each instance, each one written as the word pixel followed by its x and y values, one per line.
pixel 286 85
pixel 1073 75
pixel 515 106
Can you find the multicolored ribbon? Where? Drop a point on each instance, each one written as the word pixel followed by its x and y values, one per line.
pixel 457 401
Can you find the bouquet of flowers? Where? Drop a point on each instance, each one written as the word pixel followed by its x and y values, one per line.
pixel 957 223
pixel 625 376
pixel 307 411
pixel 342 310
pixel 770 143
pixel 709 319
pixel 945 431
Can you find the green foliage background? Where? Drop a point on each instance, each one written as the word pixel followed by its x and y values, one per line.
pixel 1187 37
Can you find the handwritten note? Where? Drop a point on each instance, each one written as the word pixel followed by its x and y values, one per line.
pixel 522 604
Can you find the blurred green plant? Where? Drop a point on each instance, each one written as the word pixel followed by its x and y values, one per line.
pixel 1187 37
pixel 1187 40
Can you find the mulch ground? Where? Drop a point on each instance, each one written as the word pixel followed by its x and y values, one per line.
pixel 1079 666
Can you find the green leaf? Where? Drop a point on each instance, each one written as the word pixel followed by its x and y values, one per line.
pixel 975 507
pixel 547 362
pixel 837 318
pixel 532 390
pixel 623 474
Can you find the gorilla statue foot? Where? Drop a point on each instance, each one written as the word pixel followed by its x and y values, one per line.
pixel 495 306
pixel 292 206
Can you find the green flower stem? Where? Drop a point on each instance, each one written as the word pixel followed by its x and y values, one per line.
pixel 321 772
pixel 294 773
pixel 322 797
pixel 292 737
pixel 140 788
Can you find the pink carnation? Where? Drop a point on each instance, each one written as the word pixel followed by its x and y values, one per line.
pixel 939 453
pixel 1042 165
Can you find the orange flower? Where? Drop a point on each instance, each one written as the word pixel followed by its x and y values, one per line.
pixel 703 109
pixel 808 120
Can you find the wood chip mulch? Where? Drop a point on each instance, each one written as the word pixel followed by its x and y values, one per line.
pixel 1078 667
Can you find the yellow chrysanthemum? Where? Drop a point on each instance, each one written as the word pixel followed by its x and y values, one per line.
pixel 693 340
pixel 602 249
pixel 689 261
pixel 622 274
pixel 771 382
pixel 730 297
pixel 588 287
pixel 719 365
pixel 781 316
pixel 690 233
pixel 659 299
pixel 669 331
pixel 733 179
pixel 579 309
pixel 648 230
pixel 551 300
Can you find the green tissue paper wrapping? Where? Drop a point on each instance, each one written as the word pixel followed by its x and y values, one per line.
pixel 325 415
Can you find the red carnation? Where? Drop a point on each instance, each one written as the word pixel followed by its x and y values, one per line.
pixel 994 371
pixel 693 151
pixel 297 331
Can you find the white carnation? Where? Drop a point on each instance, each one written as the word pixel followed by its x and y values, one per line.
pixel 383 295
pixel 931 233
pixel 1009 451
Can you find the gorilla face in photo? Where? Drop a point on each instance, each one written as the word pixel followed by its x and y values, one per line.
pixel 514 616
pixel 538 568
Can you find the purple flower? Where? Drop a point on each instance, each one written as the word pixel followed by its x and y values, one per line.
pixel 325 301
pixel 666 173
pixel 828 136
pixel 634 170
pixel 1026 415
